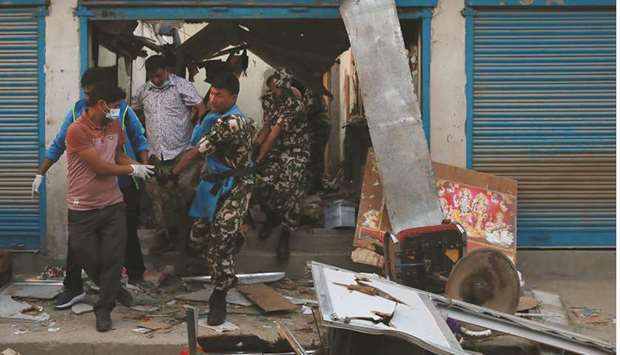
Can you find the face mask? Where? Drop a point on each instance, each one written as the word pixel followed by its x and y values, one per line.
pixel 113 114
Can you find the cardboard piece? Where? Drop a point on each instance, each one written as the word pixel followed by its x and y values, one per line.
pixel 484 204
pixel 266 298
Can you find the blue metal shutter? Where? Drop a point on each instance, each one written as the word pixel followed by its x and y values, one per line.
pixel 545 113
pixel 20 133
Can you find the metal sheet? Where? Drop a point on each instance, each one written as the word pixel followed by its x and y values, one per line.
pixel 412 320
pixel 261 277
pixel 43 291
pixel 393 112
pixel 458 310
pixel 20 224
pixel 544 113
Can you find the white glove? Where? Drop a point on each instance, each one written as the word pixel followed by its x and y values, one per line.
pixel 36 183
pixel 142 171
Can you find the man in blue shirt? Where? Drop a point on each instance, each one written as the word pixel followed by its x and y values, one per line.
pixel 136 148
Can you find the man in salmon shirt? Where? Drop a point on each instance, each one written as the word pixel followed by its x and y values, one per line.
pixel 97 228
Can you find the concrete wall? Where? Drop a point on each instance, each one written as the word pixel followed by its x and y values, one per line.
pixel 62 70
pixel 448 101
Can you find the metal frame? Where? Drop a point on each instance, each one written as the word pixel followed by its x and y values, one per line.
pixel 237 9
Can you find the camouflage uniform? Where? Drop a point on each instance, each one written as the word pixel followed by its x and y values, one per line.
pixel 284 171
pixel 230 141
pixel 318 123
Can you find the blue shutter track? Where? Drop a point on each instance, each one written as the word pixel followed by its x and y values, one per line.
pixel 544 112
pixel 20 133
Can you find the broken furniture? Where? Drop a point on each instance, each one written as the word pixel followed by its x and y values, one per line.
pixel 368 303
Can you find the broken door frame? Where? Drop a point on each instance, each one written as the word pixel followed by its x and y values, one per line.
pixel 257 9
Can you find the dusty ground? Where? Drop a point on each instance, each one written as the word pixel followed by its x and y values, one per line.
pixel 66 330
pixel 589 283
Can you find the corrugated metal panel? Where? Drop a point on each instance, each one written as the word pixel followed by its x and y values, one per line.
pixel 545 114
pixel 19 127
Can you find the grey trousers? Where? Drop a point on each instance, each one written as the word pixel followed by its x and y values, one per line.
pixel 97 241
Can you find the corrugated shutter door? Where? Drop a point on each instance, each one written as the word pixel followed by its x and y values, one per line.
pixel 545 114
pixel 20 224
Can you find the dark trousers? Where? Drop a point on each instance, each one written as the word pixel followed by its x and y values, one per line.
pixel 97 241
pixel 134 261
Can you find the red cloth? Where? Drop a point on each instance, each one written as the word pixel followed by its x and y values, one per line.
pixel 86 189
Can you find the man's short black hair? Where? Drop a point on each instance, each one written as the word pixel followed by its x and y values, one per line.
pixel 155 62
pixel 227 81
pixel 92 76
pixel 105 91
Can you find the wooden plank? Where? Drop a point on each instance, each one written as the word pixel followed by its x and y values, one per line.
pixel 266 298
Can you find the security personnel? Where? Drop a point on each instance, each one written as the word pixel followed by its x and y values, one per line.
pixel 223 196
pixel 285 171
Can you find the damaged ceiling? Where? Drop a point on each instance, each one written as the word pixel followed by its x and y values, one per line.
pixel 299 46
pixel 307 48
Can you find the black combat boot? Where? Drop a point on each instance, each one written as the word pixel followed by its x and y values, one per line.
pixel 217 307
pixel 283 250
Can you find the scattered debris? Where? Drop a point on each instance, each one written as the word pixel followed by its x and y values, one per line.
pixel 266 298
pixel 552 305
pixel 233 296
pixel 141 330
pixel 34 289
pixel 244 279
pixel 81 308
pixel 301 301
pixel 153 325
pixel 589 315
pixel 421 318
pixel 145 308
pixel 12 309
pixel 527 303
pixel 155 278
pixel 226 327
pixel 51 272
pixel 305 310
pixel 286 334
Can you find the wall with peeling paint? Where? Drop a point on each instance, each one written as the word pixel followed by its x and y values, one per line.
pixel 62 70
pixel 448 101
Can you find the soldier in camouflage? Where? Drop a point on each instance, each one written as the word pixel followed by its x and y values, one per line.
pixel 223 196
pixel 283 158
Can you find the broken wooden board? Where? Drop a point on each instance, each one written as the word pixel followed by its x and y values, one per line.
pixel 392 111
pixel 266 298
pixel 484 204
pixel 233 296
